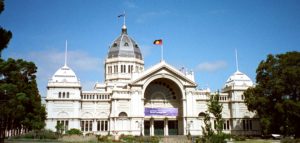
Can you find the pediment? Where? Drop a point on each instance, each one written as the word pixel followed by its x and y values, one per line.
pixel 162 70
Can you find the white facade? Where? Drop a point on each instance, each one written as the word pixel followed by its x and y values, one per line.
pixel 161 100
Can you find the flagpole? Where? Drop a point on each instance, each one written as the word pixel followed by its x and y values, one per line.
pixel 162 52
pixel 124 18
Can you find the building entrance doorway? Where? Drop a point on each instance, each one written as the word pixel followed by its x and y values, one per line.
pixel 147 128
pixel 158 128
pixel 163 108
pixel 173 127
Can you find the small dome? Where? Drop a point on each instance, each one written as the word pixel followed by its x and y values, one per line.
pixel 124 46
pixel 238 79
pixel 64 74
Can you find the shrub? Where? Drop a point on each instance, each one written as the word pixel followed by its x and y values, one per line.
pixel 128 139
pixel 215 138
pixel 155 139
pixel 102 138
pixel 41 134
pixel 73 132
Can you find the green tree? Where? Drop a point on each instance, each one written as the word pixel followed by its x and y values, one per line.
pixel 207 131
pixel 276 96
pixel 5 35
pixel 214 108
pixel 20 102
pixel 59 128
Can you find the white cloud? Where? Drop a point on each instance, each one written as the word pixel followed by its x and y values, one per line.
pixel 50 60
pixel 78 60
pixel 211 66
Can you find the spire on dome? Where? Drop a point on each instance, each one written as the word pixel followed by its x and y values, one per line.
pixel 236 61
pixel 66 52
pixel 124 29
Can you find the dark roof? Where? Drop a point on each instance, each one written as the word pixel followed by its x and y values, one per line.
pixel 124 46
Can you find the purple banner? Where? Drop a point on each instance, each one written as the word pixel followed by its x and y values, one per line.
pixel 161 111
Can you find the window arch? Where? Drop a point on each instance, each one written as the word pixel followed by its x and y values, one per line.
pixel 201 115
pixel 123 114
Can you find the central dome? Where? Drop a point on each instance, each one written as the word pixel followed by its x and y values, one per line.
pixel 124 46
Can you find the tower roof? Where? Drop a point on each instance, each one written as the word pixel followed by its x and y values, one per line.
pixel 64 74
pixel 238 79
pixel 124 46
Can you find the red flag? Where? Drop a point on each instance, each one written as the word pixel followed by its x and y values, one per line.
pixel 158 42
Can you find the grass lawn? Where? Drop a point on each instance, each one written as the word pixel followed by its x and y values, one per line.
pixel 258 141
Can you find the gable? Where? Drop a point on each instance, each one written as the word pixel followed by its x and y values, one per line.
pixel 163 70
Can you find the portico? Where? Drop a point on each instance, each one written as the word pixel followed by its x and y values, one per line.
pixel 160 126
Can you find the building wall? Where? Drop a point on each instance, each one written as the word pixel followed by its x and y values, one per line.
pixel 87 109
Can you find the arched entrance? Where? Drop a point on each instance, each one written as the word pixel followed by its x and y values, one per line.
pixel 163 108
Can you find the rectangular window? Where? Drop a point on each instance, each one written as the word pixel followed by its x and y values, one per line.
pixel 227 124
pixel 82 125
pixel 109 70
pixel 98 125
pixel 102 125
pixel 91 126
pixel 115 69
pixel 86 125
pixel 247 124
pixel 105 125
pixel 64 123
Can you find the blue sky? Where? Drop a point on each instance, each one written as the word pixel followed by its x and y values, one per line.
pixel 200 35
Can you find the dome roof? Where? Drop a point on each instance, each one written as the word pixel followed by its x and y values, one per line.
pixel 64 74
pixel 238 79
pixel 124 46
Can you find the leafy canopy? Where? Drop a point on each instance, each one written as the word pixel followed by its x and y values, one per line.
pixel 276 96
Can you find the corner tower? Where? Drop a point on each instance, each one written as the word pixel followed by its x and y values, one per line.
pixel 124 59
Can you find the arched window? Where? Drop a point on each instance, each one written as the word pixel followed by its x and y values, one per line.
pixel 123 114
pixel 64 94
pixel 68 94
pixel 115 45
pixel 201 115
pixel 126 44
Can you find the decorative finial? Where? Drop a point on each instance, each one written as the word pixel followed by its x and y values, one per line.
pixel 236 60
pixel 66 52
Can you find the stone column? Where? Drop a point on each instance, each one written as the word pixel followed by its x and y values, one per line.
pixel 166 131
pixel 94 125
pixel 151 127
